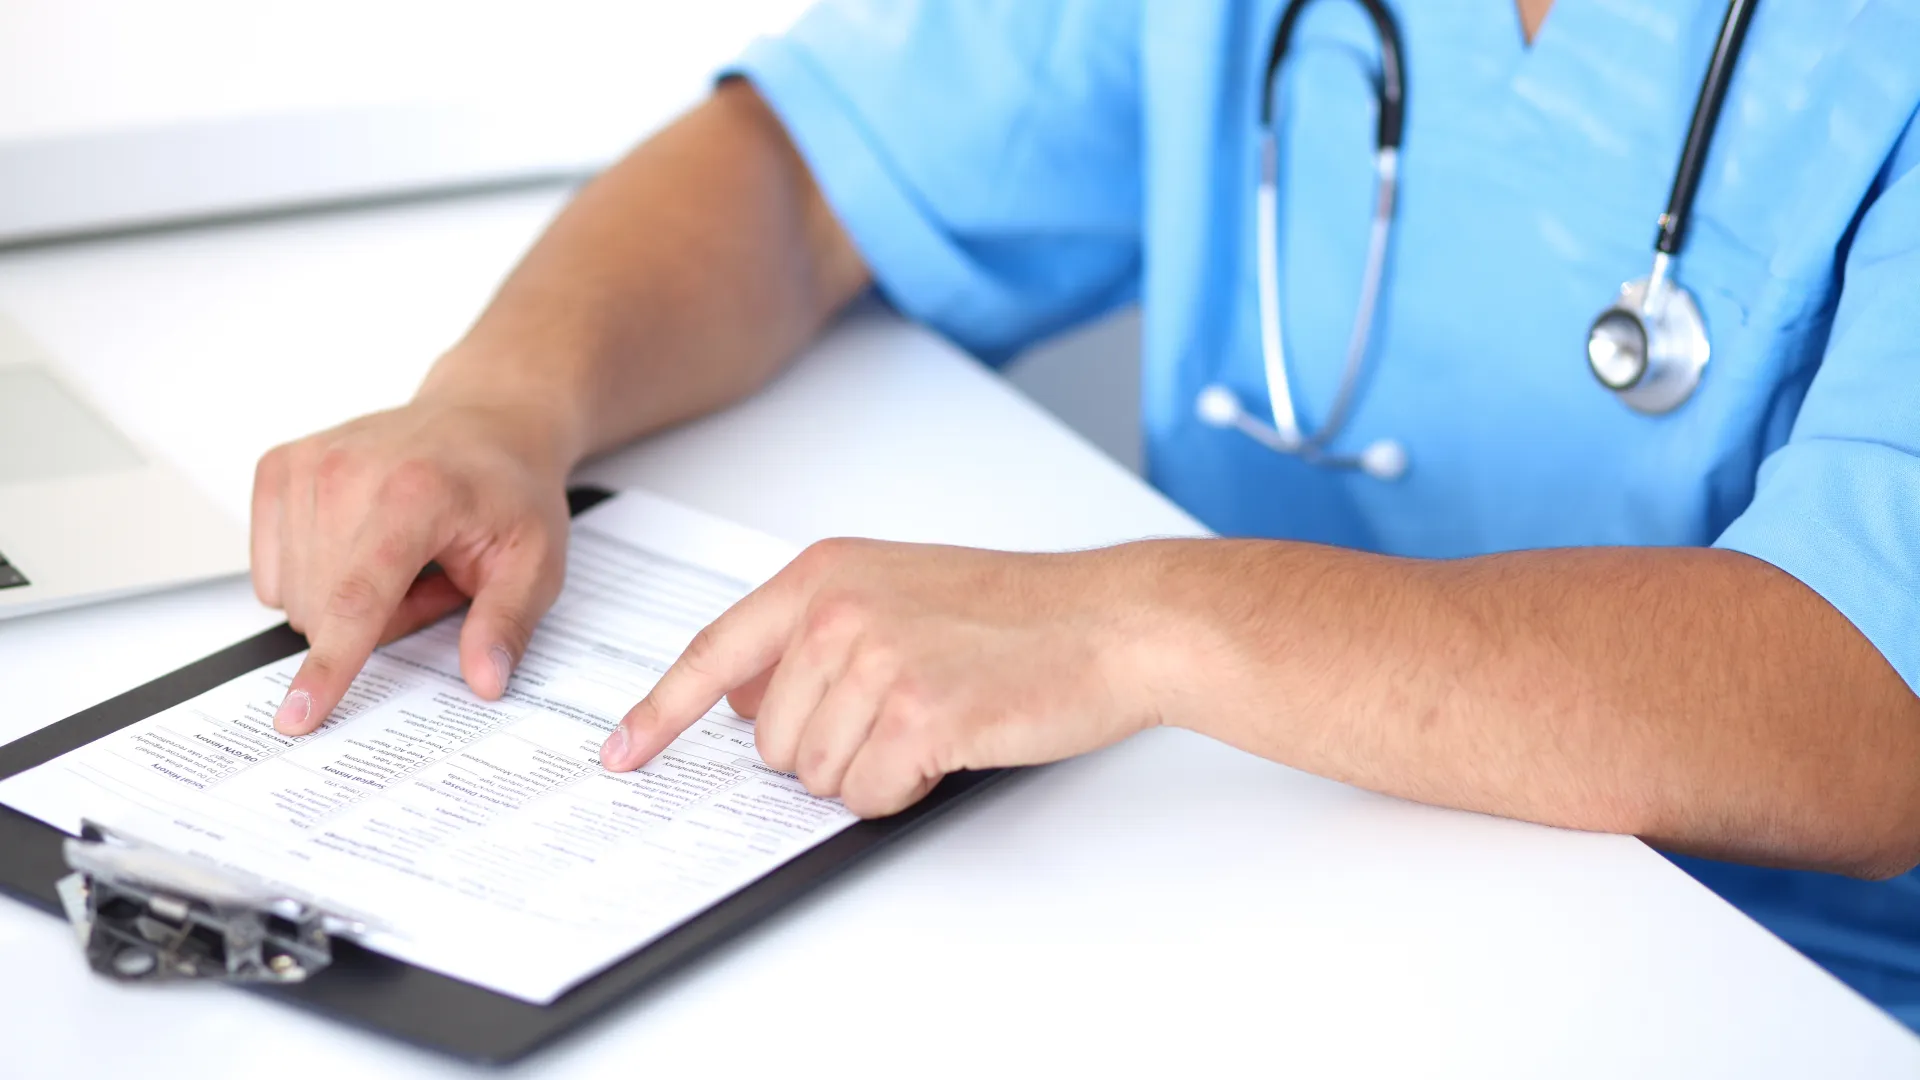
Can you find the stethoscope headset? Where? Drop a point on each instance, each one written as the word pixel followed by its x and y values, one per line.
pixel 1648 349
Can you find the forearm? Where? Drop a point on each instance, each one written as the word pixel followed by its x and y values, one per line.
pixel 677 281
pixel 1701 699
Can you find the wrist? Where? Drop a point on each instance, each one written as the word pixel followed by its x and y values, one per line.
pixel 540 419
pixel 1189 616
pixel 1156 656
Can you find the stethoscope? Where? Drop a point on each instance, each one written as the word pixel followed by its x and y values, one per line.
pixel 1648 349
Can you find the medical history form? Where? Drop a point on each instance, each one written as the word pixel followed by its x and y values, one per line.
pixel 482 840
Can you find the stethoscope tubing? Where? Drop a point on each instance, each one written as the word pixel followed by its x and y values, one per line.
pixel 1665 313
pixel 1706 118
pixel 1272 333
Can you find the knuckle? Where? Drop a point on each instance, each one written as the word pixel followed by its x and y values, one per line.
pixel 835 616
pixel 393 551
pixel 823 556
pixel 817 554
pixel 270 472
pixel 876 666
pixel 299 462
pixel 813 652
pixel 411 483
pixel 702 651
pixel 334 469
pixel 353 599
pixel 909 710
pixel 299 456
pixel 321 667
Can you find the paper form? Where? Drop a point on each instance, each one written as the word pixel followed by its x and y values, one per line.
pixel 481 839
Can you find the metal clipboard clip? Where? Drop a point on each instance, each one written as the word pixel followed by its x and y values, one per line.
pixel 145 914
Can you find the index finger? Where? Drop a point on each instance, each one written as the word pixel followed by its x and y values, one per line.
pixel 744 641
pixel 386 557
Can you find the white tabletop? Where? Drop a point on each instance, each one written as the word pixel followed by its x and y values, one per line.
pixel 1168 905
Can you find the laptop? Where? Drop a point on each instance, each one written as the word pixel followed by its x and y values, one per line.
pixel 85 514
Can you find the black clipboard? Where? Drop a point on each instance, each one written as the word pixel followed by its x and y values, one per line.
pixel 380 994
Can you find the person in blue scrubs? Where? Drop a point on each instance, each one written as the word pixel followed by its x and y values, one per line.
pixel 1698 627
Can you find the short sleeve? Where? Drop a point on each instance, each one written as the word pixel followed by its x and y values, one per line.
pixel 984 155
pixel 1838 506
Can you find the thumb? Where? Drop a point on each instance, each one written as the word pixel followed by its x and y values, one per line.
pixel 517 589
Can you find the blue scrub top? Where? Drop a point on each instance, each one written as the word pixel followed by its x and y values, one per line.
pixel 1012 167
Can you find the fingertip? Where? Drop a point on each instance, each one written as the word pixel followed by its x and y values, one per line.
pixel 637 739
pixel 615 751
pixel 294 716
pixel 495 674
pixel 777 756
pixel 490 650
pixel 512 595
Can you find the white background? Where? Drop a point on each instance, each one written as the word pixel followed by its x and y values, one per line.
pixel 404 89
pixel 101 66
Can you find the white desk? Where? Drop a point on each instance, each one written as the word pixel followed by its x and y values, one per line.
pixel 1168 904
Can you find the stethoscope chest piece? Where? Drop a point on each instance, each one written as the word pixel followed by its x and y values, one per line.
pixel 1650 351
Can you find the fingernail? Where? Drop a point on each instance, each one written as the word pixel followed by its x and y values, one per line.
pixel 293 712
pixel 614 750
pixel 502 666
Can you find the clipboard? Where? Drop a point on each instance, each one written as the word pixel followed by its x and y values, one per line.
pixel 377 993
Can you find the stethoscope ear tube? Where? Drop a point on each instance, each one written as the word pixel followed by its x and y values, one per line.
pixel 1273 345
pixel 1391 89
pixel 1386 459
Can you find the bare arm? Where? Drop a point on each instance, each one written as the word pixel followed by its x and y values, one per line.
pixel 1699 698
pixel 675 283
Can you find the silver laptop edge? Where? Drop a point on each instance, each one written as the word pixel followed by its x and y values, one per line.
pixel 85 513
